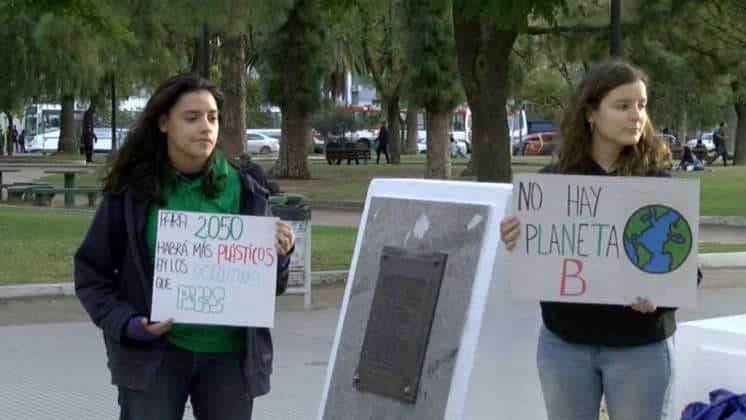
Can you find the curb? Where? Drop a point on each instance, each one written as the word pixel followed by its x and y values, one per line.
pixel 68 289
pixel 35 290
pixel 726 260
pixel 356 206
pixel 723 221
pixel 732 221
pixel 715 261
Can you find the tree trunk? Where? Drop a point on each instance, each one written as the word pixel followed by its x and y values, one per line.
pixel 296 135
pixel 438 163
pixel 731 118
pixel 233 84
pixel 392 118
pixel 483 53
pixel 5 145
pixel 683 132
pixel 196 55
pixel 67 142
pixel 739 152
pixel 410 146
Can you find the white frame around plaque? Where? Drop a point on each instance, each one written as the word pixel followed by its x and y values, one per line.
pixel 497 198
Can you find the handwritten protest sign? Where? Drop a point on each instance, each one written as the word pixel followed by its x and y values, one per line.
pixel 597 239
pixel 216 269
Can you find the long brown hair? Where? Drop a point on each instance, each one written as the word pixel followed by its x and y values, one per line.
pixel 649 155
pixel 141 161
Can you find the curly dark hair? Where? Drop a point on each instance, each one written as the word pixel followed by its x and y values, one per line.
pixel 649 155
pixel 143 158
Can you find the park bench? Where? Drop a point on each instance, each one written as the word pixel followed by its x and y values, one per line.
pixel 16 191
pixel 336 152
pixel 43 195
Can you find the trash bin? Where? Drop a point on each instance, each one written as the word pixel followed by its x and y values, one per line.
pixel 298 216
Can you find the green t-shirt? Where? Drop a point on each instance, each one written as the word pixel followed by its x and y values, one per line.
pixel 181 193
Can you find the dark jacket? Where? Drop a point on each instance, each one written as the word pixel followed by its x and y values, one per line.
pixel 114 280
pixel 383 137
pixel 607 325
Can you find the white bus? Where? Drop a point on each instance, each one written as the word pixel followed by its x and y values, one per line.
pixel 42 124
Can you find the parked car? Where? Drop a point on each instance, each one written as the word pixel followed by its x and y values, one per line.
pixel 261 143
pixel 532 127
pixel 422 145
pixel 542 143
pixel 707 141
pixel 275 133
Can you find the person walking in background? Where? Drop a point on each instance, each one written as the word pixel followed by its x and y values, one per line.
pixel 22 140
pixel 14 139
pixel 719 138
pixel 88 138
pixel 383 143
pixel 587 351
pixel 169 161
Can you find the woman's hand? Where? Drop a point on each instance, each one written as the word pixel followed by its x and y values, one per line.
pixel 642 305
pixel 284 238
pixel 158 328
pixel 510 228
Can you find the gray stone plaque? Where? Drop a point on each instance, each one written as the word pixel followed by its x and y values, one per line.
pixel 398 329
pixel 454 229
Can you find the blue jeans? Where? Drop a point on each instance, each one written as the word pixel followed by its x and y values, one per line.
pixel 214 381
pixel 635 380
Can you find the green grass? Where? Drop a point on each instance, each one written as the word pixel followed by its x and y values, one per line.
pixel 332 247
pixel 51 157
pixel 89 178
pixel 38 245
pixel 706 247
pixel 350 182
pixel 722 191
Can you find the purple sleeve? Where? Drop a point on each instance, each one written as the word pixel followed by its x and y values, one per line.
pixel 283 261
pixel 134 330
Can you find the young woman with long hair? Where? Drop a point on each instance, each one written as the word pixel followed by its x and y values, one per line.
pixel 588 350
pixel 169 161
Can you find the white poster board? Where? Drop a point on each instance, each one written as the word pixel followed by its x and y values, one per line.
pixel 470 392
pixel 214 268
pixel 599 239
pixel 710 354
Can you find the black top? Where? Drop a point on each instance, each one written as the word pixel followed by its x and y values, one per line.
pixel 718 137
pixel 606 325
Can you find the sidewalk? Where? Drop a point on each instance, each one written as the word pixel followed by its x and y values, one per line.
pixel 58 370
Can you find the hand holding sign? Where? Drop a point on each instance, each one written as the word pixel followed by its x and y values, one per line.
pixel 285 238
pixel 510 228
pixel 210 267
pixel 157 328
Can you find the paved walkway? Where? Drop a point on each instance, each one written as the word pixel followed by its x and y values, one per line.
pixel 58 371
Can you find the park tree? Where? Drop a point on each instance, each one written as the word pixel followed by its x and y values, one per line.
pixel 410 145
pixel 74 43
pixel 216 40
pixel 715 34
pixel 432 76
pixel 485 33
pixel 16 82
pixel 293 62
pixel 380 40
